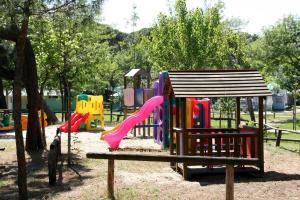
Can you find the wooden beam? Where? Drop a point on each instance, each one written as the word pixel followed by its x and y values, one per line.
pixel 261 133
pixel 195 130
pixel 284 140
pixel 125 82
pixel 184 139
pixel 224 135
pixel 171 131
pixel 238 112
pixel 279 134
pixel 205 160
pixel 229 180
pixel 110 178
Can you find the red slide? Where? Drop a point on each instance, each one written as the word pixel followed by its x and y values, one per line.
pixel 76 120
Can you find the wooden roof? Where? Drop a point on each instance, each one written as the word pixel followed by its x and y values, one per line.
pixel 218 83
pixel 136 72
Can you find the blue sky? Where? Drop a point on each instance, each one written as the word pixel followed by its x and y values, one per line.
pixel 257 13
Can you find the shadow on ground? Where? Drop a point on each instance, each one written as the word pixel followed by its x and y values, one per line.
pixel 245 177
pixel 37 177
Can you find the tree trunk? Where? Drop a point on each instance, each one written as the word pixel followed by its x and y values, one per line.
pixel 34 136
pixel 295 112
pixel 20 65
pixel 66 98
pixel 62 99
pixel 22 174
pixel 51 117
pixel 250 108
pixel 3 104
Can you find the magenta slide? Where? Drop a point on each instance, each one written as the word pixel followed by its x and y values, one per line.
pixel 115 137
pixel 75 122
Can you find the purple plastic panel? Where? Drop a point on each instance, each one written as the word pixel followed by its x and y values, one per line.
pixel 148 93
pixel 156 110
pixel 161 83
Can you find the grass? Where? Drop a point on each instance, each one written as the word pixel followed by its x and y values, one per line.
pixel 291 146
pixel 279 120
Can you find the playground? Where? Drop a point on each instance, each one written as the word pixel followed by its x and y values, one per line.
pixel 198 100
pixel 176 124
pixel 143 180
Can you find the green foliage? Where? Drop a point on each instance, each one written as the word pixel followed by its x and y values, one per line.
pixel 195 39
pixel 277 52
pixel 68 47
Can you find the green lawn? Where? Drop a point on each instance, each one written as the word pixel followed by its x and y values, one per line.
pixel 279 120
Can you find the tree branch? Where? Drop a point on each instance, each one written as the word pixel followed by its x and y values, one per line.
pixel 53 9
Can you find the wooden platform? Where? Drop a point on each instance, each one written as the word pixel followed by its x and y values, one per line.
pixel 198 170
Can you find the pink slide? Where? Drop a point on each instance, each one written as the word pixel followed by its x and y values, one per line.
pixel 76 120
pixel 115 138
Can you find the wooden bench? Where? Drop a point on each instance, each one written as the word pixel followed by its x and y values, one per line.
pixel 228 161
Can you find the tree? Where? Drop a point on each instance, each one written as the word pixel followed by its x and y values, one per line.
pixel 190 40
pixel 20 38
pixel 77 46
pixel 14 28
pixel 278 54
pixel 11 30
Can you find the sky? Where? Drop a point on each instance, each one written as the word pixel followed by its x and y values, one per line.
pixel 257 14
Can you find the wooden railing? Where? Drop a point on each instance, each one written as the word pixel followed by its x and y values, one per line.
pixel 228 161
pixel 278 133
pixel 216 142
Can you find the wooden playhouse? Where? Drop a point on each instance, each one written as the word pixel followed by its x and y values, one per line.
pixel 237 142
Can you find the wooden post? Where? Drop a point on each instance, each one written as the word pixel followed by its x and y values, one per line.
pixel 125 82
pixel 177 124
pixel 171 145
pixel 220 115
pixel 184 137
pixel 144 129
pixel 238 112
pixel 110 178
pixel 134 129
pixel 125 112
pixel 278 138
pixel 229 180
pixel 52 166
pixel 69 125
pixel 148 122
pixel 265 107
pixel 261 133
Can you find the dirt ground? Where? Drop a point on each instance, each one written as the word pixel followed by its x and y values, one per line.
pixel 141 180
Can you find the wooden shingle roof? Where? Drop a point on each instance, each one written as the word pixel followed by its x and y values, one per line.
pixel 218 83
pixel 136 72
